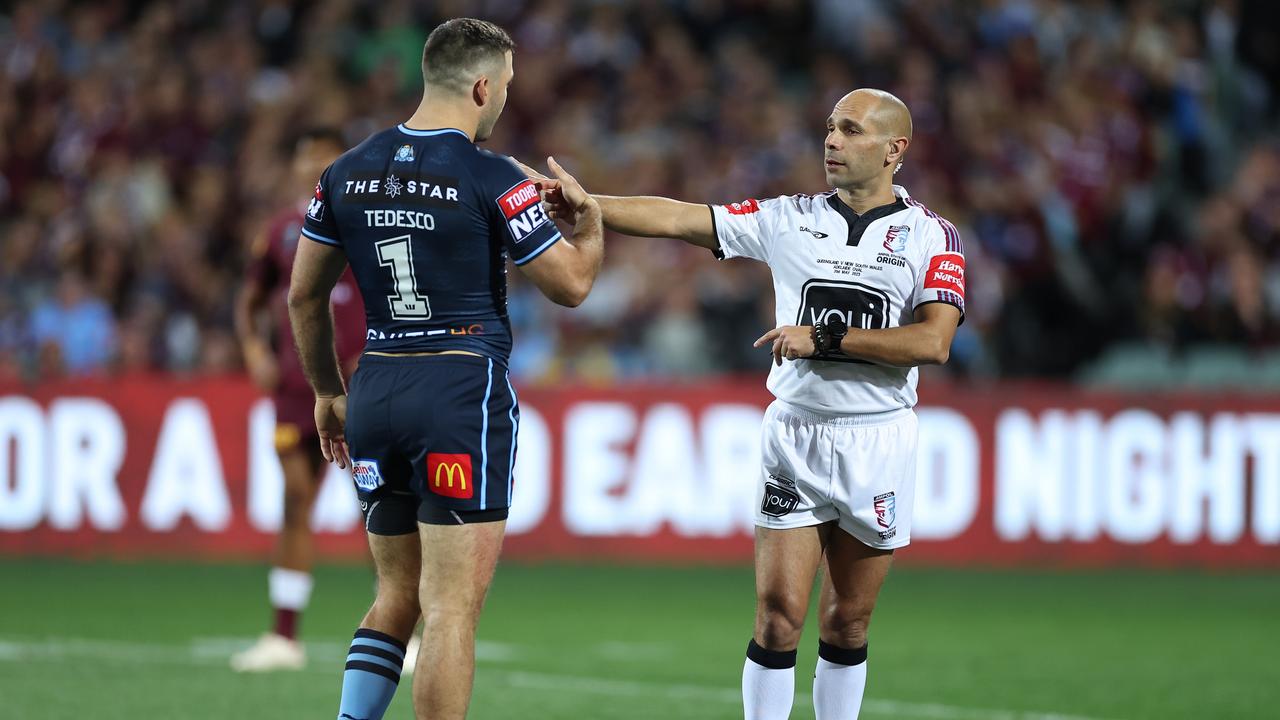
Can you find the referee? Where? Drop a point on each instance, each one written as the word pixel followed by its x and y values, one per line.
pixel 869 284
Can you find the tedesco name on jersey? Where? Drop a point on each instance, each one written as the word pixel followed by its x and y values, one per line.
pixel 411 219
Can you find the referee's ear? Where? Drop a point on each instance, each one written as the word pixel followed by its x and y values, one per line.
pixel 896 150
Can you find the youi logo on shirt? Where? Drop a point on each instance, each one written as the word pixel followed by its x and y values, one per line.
pixel 856 304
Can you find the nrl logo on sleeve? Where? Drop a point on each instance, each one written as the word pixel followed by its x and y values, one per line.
pixel 404 154
pixel 895 240
pixel 522 207
pixel 366 474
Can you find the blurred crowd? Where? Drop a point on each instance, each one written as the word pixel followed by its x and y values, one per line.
pixel 1114 167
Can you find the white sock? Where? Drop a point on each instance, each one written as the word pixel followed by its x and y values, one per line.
pixel 289 589
pixel 768 683
pixel 838 686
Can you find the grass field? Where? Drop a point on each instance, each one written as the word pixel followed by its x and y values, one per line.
pixel 151 640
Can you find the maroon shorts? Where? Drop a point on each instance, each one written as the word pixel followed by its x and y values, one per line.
pixel 295 420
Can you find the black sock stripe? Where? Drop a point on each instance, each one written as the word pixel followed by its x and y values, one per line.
pixel 772 659
pixel 375 635
pixel 842 656
pixel 376 652
pixel 374 668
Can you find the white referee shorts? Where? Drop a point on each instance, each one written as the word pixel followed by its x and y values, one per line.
pixel 859 470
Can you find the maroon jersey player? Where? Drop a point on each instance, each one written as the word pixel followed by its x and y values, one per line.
pixel 262 322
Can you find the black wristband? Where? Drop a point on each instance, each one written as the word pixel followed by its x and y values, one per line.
pixel 819 335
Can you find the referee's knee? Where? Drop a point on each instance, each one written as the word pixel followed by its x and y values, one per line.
pixel 779 622
pixel 845 626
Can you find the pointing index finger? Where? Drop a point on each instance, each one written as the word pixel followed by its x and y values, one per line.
pixel 766 337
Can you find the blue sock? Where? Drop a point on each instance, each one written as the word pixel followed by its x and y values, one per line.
pixel 371 677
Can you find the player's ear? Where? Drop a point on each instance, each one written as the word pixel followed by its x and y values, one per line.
pixel 480 91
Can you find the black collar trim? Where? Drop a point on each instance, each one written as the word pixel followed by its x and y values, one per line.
pixel 858 223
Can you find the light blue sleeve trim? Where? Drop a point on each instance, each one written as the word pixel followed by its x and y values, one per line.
pixel 540 250
pixel 321 239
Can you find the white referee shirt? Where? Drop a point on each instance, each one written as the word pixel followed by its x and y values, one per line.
pixel 872 271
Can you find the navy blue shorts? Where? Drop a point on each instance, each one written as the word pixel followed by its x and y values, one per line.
pixel 432 439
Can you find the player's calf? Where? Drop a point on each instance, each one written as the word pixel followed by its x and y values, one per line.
pixel 376 657
pixel 457 566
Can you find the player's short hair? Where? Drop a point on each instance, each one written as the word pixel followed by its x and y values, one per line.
pixel 455 50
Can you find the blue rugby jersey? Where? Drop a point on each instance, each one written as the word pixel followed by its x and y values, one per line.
pixel 427 221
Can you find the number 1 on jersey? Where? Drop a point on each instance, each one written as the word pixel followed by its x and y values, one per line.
pixel 406 303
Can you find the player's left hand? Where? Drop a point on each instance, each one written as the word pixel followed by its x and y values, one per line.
pixel 789 341
pixel 331 421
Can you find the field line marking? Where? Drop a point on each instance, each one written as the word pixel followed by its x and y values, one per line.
pixel 216 650
pixel 893 708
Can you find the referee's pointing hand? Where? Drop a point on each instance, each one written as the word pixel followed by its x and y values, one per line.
pixel 789 341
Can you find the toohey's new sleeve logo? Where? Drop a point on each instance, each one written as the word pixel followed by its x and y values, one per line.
pixel 522 209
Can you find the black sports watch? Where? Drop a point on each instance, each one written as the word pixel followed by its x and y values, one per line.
pixel 828 336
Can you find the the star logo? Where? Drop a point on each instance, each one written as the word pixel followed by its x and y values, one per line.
pixel 393 186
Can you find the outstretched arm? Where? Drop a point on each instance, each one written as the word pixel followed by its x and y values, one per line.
pixel 649 216
pixel 643 216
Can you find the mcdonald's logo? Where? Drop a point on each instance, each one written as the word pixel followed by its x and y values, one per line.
pixel 449 474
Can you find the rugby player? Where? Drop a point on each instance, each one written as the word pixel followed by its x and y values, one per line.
pixel 869 284
pixel 273 364
pixel 427 220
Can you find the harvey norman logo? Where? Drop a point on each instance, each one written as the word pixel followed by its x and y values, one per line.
pixel 946 272
pixel 449 474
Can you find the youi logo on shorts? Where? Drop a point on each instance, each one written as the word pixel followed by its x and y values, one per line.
pixel 366 474
pixel 778 499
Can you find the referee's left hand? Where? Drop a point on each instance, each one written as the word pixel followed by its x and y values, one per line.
pixel 789 341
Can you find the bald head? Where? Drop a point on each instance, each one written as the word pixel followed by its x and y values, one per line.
pixel 883 111
pixel 867 135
